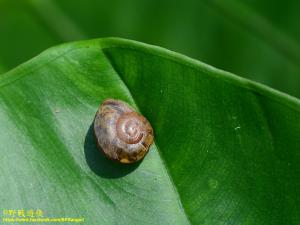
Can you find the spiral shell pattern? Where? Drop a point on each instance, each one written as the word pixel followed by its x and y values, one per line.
pixel 122 134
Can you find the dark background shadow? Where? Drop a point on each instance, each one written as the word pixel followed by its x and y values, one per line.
pixel 100 164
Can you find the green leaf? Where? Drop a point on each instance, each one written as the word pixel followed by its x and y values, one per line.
pixel 226 149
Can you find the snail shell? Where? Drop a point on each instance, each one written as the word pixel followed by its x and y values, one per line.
pixel 122 134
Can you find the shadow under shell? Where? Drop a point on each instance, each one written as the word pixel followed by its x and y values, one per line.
pixel 100 164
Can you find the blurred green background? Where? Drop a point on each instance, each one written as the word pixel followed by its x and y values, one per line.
pixel 255 39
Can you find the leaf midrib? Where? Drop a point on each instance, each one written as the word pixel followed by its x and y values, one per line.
pixel 176 192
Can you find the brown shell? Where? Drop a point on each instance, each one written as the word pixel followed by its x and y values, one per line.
pixel 122 134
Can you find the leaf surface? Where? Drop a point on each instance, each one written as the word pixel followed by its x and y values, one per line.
pixel 226 149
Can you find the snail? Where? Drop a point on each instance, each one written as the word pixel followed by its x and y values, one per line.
pixel 121 133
